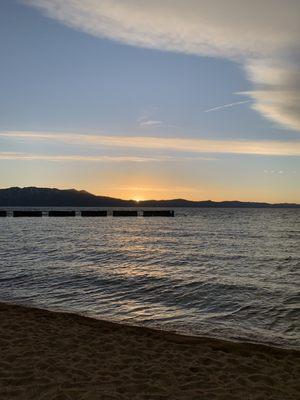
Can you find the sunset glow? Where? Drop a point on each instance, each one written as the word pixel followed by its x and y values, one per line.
pixel 149 199
pixel 189 105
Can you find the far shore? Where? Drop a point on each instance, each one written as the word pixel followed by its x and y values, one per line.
pixel 49 355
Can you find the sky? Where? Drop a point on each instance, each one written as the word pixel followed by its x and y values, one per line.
pixel 152 99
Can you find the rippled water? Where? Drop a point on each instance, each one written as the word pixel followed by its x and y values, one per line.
pixel 229 273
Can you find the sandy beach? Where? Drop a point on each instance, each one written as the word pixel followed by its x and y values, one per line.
pixel 46 355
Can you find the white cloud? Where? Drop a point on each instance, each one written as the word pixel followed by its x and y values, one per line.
pixel 270 148
pixel 262 35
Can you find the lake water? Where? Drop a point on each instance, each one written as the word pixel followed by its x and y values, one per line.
pixel 229 273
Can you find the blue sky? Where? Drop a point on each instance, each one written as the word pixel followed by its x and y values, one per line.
pixel 71 90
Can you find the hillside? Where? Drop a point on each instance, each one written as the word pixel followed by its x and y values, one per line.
pixel 46 197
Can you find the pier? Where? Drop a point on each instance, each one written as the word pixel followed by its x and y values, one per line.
pixel 87 213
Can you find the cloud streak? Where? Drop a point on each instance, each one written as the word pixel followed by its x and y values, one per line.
pixel 229 105
pixel 180 145
pixel 69 158
pixel 261 35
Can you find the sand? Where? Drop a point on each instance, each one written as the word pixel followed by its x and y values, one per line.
pixel 46 355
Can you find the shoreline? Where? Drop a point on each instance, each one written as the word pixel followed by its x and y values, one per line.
pixel 175 335
pixel 49 354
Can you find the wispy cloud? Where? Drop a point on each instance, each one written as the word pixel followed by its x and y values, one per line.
pixel 180 145
pixel 280 172
pixel 183 189
pixel 151 122
pixel 65 158
pixel 262 35
pixel 148 122
pixel 237 103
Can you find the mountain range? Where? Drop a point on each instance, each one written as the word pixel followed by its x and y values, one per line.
pixel 48 197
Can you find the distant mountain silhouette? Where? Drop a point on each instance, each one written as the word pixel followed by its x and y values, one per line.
pixel 45 197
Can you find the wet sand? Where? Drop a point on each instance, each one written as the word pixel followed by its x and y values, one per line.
pixel 46 355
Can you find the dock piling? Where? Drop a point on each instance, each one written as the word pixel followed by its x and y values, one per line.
pixel 27 213
pixel 94 213
pixel 56 213
pixel 125 213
